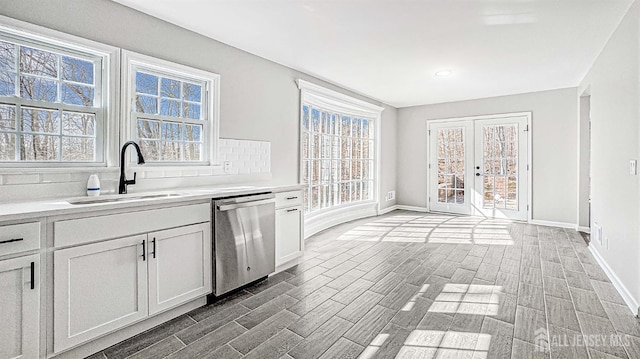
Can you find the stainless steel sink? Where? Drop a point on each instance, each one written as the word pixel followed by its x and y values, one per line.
pixel 125 198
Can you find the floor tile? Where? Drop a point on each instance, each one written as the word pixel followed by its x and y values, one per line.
pixel 622 318
pixel 266 310
pixel 531 296
pixel 149 337
pixel 322 339
pixel 529 323
pixel 343 348
pixel 251 339
pixel 207 344
pixel 561 313
pixel 368 327
pixel 210 324
pixel 315 318
pixel 276 347
pixel 587 301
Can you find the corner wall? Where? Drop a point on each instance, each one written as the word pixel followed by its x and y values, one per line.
pixel 614 82
pixel 554 137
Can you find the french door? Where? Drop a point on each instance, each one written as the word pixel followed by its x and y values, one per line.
pixel 479 166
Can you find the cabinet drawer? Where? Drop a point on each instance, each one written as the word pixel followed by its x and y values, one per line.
pixel 288 199
pixel 91 229
pixel 19 238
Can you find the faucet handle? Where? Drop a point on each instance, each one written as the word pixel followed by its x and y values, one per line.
pixel 133 181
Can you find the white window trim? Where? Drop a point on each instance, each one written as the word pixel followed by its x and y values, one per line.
pixel 106 139
pixel 130 60
pixel 322 97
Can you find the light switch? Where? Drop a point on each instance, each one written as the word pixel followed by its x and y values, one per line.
pixel 633 167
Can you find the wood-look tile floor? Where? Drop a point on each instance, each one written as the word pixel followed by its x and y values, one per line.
pixel 414 285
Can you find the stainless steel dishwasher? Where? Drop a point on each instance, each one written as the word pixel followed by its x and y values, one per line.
pixel 244 240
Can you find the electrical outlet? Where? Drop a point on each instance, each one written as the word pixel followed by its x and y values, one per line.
pixel 226 166
pixel 391 195
pixel 597 233
pixel 606 243
pixel 633 167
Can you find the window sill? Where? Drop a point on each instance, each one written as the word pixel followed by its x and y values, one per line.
pixel 29 170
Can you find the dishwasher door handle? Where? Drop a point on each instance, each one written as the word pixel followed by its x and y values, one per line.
pixel 229 207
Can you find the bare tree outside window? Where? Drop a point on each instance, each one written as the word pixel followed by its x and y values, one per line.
pixel 169 115
pixel 337 158
pixel 47 105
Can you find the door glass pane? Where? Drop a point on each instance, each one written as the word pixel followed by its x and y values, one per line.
pixel 500 149
pixel 450 165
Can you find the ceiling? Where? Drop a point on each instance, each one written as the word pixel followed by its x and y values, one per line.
pixel 390 50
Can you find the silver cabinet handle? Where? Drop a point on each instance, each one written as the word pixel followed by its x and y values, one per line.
pixel 228 207
pixel 292 210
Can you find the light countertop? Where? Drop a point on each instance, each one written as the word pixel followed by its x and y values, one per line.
pixel 61 206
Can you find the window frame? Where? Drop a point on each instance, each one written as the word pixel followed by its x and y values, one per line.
pixel 105 91
pixel 332 101
pixel 210 107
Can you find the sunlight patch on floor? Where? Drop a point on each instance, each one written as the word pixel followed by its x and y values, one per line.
pixel 427 344
pixel 468 299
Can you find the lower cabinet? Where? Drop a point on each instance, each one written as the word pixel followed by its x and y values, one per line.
pixel 180 266
pixel 20 307
pixel 289 243
pixel 102 287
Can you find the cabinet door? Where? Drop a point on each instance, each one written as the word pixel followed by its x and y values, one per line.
pixel 289 244
pixel 179 266
pixel 20 307
pixel 98 288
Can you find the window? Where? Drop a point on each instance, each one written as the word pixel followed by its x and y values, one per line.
pixel 52 101
pixel 173 111
pixel 338 149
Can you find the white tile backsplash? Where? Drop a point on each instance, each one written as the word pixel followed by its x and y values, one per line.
pixel 247 157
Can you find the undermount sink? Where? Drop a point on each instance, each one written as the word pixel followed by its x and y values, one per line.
pixel 125 198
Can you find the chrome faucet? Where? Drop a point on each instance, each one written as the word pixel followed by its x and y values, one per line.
pixel 122 188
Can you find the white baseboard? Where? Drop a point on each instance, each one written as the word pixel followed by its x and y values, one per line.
pixel 624 292
pixel 554 224
pixel 387 210
pixel 317 223
pixel 584 229
pixel 412 208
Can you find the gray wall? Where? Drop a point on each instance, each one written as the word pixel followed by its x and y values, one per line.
pixel 554 136
pixel 614 84
pixel 259 99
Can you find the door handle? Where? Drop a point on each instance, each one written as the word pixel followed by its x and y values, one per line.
pixel 144 250
pixel 478 174
pixel 33 275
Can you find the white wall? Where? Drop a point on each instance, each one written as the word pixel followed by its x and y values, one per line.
pixel 259 99
pixel 554 137
pixel 614 82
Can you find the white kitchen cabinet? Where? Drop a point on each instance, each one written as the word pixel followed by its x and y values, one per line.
pixel 20 307
pixel 98 288
pixel 289 232
pixel 179 266
pixel 128 270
